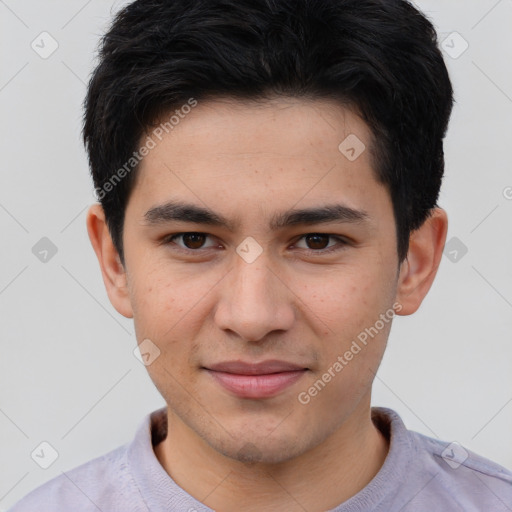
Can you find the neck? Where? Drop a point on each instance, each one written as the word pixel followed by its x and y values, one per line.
pixel 318 480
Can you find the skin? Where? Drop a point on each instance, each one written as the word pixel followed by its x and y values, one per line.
pixel 295 302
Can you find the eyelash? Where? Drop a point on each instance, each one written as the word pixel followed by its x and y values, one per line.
pixel 342 243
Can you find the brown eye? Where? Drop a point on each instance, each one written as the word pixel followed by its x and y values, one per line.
pixel 193 240
pixel 321 243
pixel 317 241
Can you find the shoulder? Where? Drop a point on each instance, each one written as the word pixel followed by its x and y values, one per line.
pixel 452 456
pixel 82 488
pixel 469 480
pixel 103 483
pixel 422 473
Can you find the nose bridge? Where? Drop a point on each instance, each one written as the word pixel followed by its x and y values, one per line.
pixel 254 302
pixel 251 284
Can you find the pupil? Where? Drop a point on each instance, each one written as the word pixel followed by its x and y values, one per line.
pixel 193 240
pixel 317 241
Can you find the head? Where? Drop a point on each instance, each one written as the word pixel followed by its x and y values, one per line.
pixel 300 144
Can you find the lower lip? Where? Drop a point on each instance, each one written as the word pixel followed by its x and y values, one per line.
pixel 256 386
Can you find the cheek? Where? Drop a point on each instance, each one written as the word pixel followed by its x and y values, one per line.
pixel 155 303
pixel 161 294
pixel 346 306
pixel 342 301
pixel 170 309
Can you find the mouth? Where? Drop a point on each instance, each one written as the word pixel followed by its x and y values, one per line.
pixel 256 380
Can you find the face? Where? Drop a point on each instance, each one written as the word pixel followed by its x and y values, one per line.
pixel 250 237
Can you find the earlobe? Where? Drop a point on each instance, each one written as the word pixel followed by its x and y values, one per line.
pixel 113 272
pixel 418 270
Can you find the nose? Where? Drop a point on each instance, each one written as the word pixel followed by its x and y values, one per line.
pixel 254 302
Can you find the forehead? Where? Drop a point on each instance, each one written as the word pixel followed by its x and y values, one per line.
pixel 278 126
pixel 281 152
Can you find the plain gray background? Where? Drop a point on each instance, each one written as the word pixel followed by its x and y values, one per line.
pixel 68 375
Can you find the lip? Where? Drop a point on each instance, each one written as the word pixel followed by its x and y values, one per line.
pixel 256 380
pixel 262 368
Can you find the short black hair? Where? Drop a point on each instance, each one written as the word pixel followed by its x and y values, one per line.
pixel 379 57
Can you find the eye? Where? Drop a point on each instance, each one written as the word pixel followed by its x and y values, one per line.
pixel 190 241
pixel 319 242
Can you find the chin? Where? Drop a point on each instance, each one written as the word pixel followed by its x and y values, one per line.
pixel 261 450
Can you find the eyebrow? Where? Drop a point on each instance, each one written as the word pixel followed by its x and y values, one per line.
pixel 184 212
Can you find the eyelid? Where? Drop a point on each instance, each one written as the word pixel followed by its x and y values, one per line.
pixel 169 239
pixel 342 242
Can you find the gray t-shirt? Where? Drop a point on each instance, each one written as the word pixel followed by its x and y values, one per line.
pixel 419 474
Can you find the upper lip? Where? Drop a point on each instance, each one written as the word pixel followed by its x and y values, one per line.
pixel 262 368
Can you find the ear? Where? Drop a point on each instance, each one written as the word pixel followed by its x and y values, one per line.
pixel 418 270
pixel 114 274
